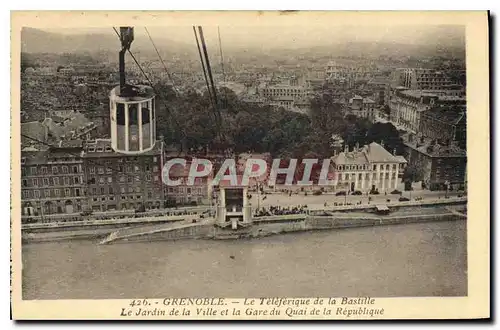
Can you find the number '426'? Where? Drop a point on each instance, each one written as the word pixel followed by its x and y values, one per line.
pixel 137 302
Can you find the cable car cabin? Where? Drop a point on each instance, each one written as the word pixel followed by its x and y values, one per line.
pixel 132 109
pixel 132 113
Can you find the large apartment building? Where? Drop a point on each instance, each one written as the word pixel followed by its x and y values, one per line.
pixel 117 181
pixel 437 164
pixel 52 180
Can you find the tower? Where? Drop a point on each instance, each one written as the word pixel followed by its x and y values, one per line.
pixel 132 109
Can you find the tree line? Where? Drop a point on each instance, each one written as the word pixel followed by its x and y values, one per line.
pixel 189 120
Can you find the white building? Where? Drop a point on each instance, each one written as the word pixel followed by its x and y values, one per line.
pixel 284 90
pixel 406 107
pixel 366 169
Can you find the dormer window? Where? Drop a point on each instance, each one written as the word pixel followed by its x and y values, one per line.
pixel 91 149
pixel 108 149
pixel 100 149
pixel 23 160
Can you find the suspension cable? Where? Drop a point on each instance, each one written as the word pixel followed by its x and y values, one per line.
pixel 203 67
pixel 161 60
pixel 154 89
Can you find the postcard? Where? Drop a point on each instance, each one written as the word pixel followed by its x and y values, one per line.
pixel 250 165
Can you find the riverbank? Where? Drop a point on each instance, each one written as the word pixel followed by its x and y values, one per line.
pixel 183 228
pixel 275 225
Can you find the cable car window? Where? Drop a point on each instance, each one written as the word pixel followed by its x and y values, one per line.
pixel 145 113
pixel 132 114
pixel 120 113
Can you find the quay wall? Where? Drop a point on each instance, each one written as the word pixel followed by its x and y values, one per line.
pixel 262 226
pixel 262 229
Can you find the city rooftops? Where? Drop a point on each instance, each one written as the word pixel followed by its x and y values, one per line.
pixel 38 157
pixel 50 130
pixel 451 115
pixel 417 94
pixel 102 148
pixel 365 100
pixel 431 148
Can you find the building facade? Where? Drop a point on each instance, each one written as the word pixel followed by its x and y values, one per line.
pixel 185 193
pixel 406 107
pixel 295 92
pixel 371 168
pixel 117 181
pixel 52 181
pixel 437 164
pixel 423 79
pixel 445 124
pixel 362 107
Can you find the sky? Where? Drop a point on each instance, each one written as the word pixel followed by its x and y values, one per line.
pixel 299 36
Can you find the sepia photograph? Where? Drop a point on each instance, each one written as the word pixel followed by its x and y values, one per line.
pixel 305 170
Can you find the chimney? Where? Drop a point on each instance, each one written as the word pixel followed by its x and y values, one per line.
pixel 394 152
pixel 334 152
pixel 382 143
pixel 357 146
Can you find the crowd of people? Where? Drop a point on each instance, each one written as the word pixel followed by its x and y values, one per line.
pixel 278 210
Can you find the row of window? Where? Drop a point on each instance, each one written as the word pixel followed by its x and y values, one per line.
pixel 121 169
pixel 130 179
pixel 51 193
pixel 181 190
pixel 367 176
pixel 56 181
pixel 54 170
pixel 365 167
pixel 110 190
pixel 112 198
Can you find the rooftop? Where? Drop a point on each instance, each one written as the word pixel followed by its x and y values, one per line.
pixel 417 94
pixel 372 153
pixel 451 115
pixel 431 148
pixel 102 148
pixel 133 93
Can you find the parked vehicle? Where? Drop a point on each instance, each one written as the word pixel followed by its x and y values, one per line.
pixel 403 199
pixel 357 192
pixel 340 193
pixel 396 192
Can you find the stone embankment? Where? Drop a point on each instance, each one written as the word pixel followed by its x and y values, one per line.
pixel 272 225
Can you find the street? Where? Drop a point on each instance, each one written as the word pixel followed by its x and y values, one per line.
pixel 317 202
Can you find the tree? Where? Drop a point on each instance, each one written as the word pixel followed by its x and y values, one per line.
pixel 412 173
pixel 387 133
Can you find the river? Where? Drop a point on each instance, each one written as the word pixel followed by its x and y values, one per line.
pixel 427 259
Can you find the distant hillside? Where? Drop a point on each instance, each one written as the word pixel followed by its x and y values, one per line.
pixel 443 41
pixel 38 41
